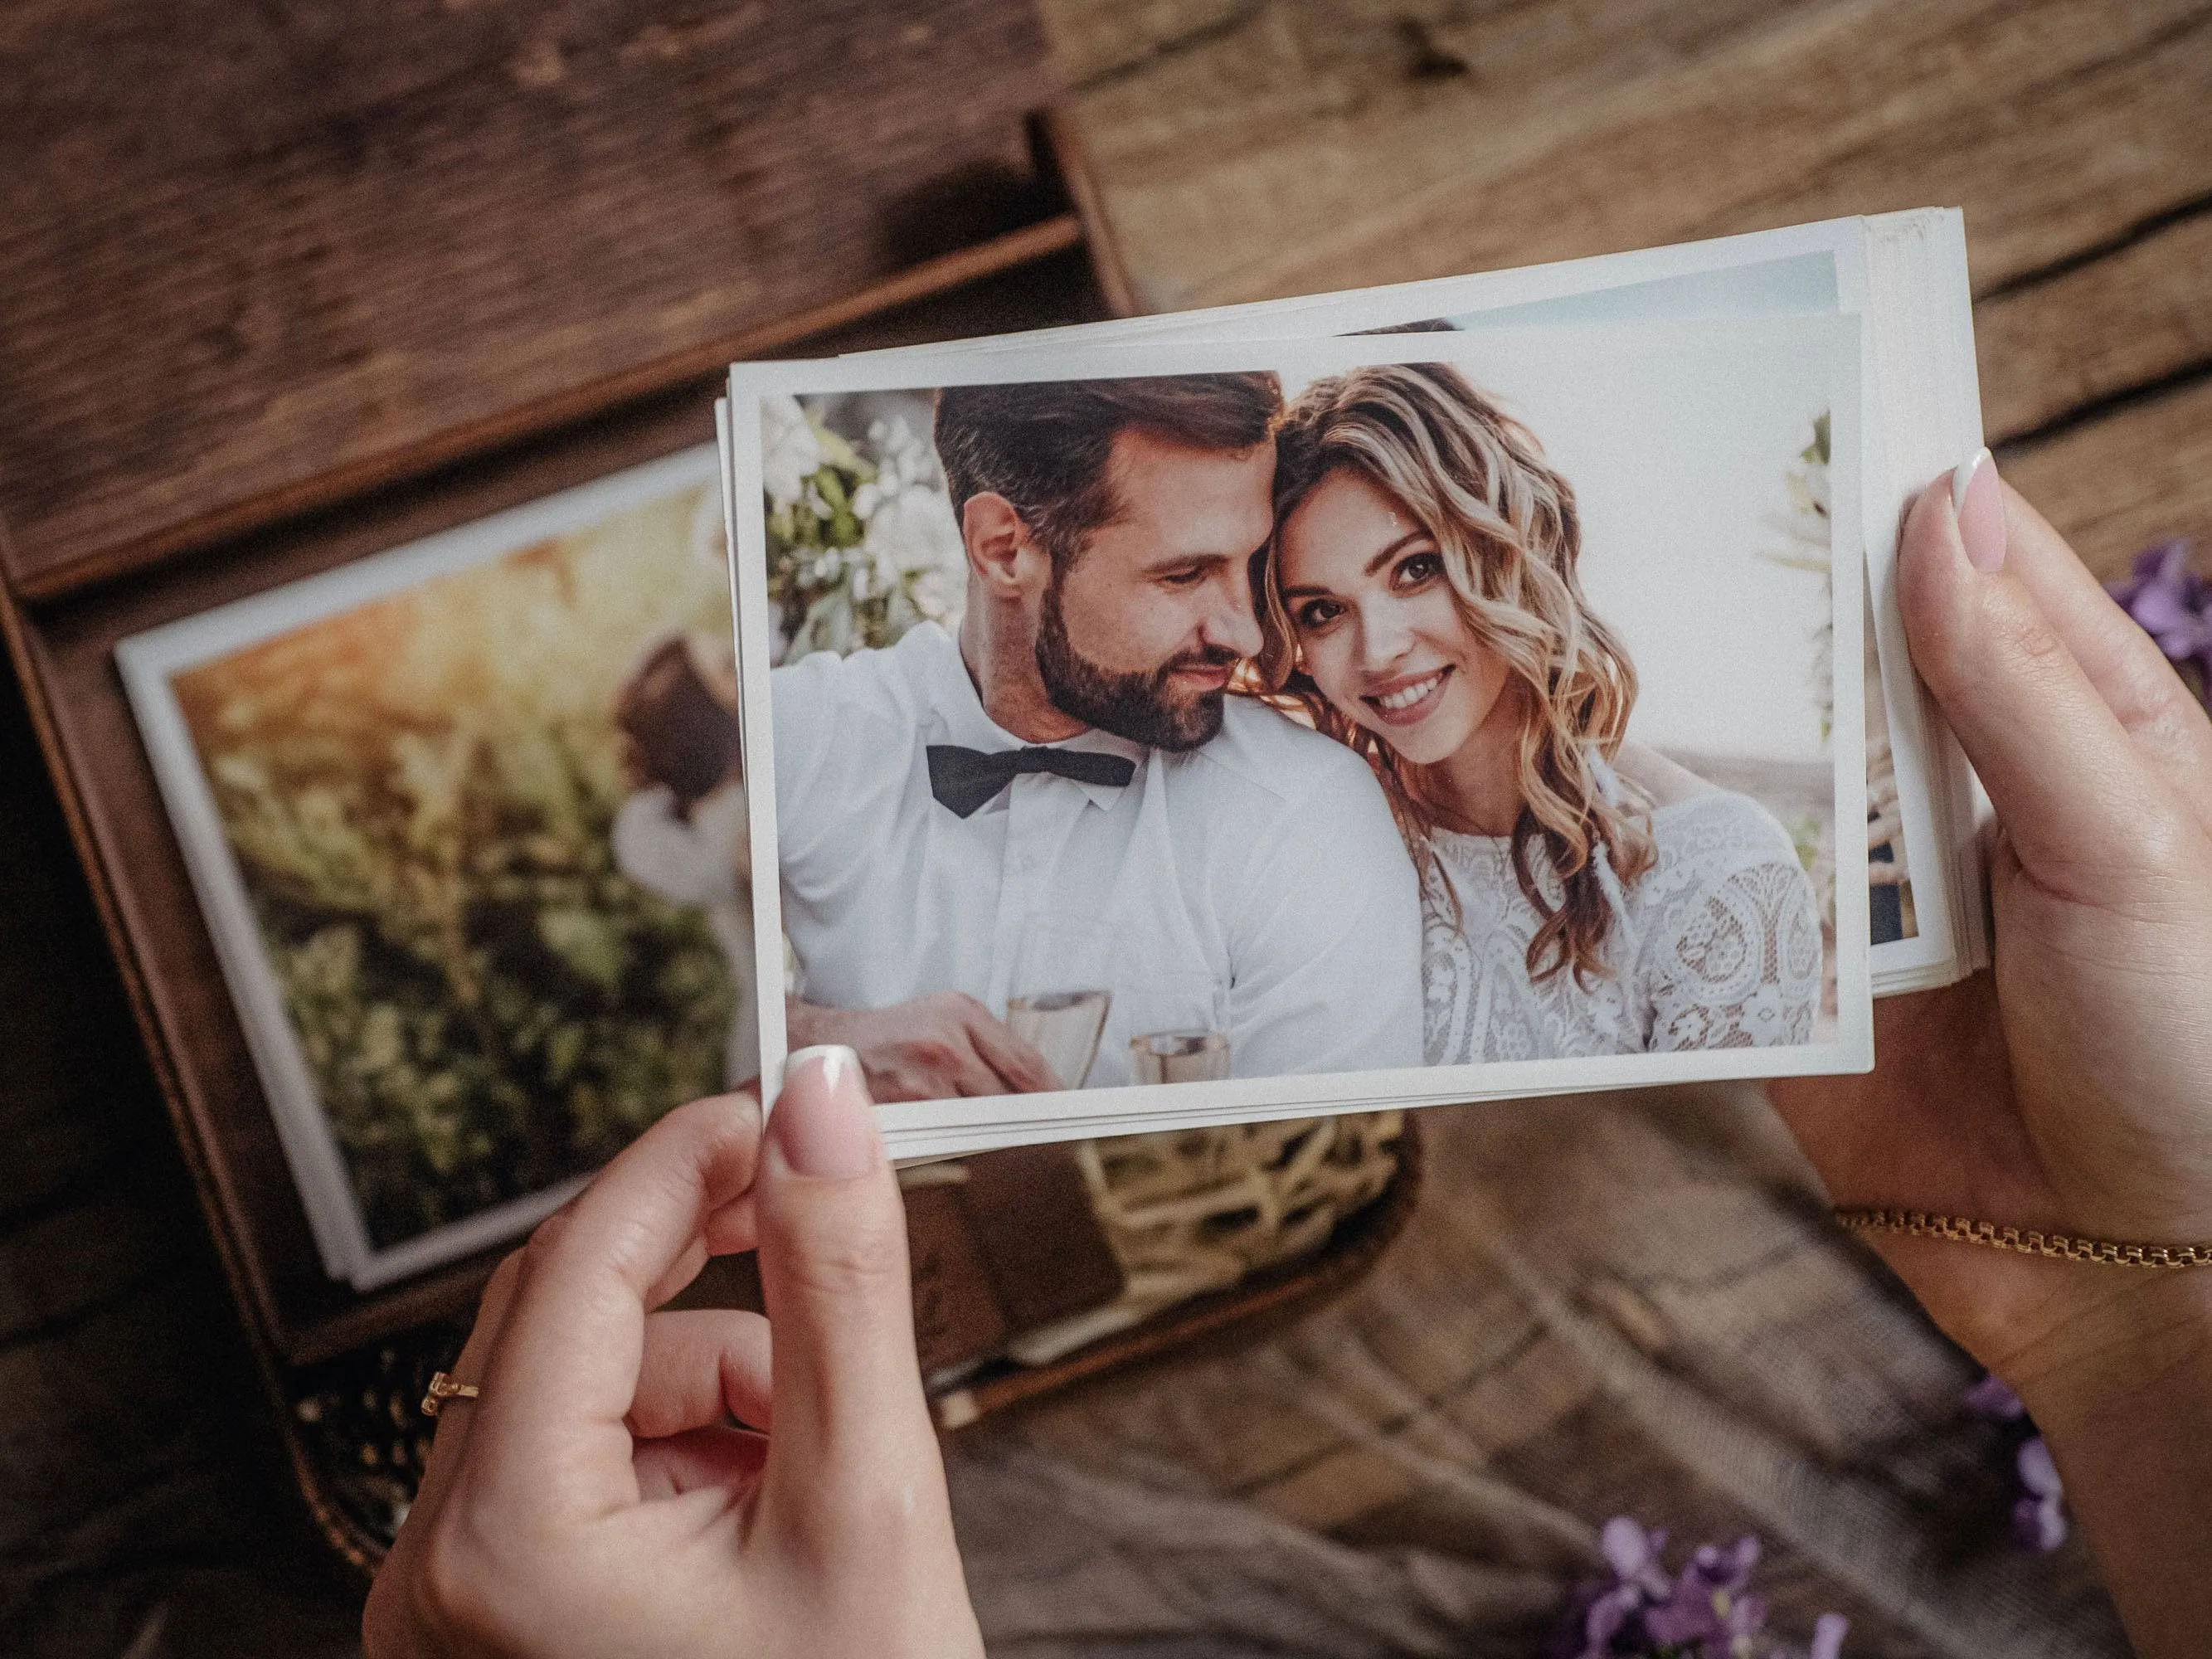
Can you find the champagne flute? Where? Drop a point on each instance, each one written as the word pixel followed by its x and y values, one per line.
pixel 1180 1026
pixel 1058 1003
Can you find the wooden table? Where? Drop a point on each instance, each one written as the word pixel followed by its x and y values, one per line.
pixel 1247 148
pixel 274 277
pixel 1242 149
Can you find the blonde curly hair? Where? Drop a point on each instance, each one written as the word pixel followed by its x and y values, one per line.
pixel 1505 522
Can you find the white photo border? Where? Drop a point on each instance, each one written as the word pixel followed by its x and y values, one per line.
pixel 148 661
pixel 1651 272
pixel 924 1129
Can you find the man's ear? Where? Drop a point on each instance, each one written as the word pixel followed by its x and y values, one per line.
pixel 996 538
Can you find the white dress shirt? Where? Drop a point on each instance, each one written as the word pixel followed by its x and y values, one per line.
pixel 1265 860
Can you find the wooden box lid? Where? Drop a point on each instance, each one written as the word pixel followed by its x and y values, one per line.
pixel 253 260
pixel 64 650
pixel 281 288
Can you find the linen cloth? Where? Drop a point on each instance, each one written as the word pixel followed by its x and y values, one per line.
pixel 1265 861
pixel 1621 1304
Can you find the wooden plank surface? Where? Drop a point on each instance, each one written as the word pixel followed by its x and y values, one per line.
pixel 138 1468
pixel 2132 476
pixel 1301 146
pixel 254 257
pixel 68 647
pixel 143 1497
pixel 1247 150
pixel 1241 147
pixel 2136 316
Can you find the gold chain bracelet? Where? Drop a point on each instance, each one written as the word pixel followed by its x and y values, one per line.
pixel 1924 1224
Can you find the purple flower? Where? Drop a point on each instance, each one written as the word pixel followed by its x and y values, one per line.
pixel 2039 1524
pixel 1607 1617
pixel 1707 1611
pixel 2038 1473
pixel 2039 1518
pixel 1724 1569
pixel 1709 1603
pixel 2172 604
pixel 1633 1554
pixel 1681 1619
pixel 2038 1514
pixel 1990 1398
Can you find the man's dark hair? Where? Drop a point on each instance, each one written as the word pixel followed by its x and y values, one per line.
pixel 1044 444
pixel 681 734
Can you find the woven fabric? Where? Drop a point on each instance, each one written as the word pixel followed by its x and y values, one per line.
pixel 1625 1305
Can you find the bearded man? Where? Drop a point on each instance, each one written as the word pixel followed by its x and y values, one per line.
pixel 1075 767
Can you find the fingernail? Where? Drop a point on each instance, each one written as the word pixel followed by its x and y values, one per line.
pixel 1978 505
pixel 823 1124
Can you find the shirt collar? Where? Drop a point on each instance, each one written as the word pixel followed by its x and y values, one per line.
pixel 952 695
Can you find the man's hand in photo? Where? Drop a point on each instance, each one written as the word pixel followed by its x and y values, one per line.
pixel 939 1046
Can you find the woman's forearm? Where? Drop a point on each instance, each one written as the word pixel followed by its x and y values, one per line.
pixel 2125 1405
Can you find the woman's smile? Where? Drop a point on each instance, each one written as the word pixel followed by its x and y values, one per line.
pixel 1378 626
pixel 1408 700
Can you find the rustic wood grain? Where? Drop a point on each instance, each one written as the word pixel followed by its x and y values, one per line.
pixel 1094 40
pixel 1257 133
pixel 138 1474
pixel 66 650
pixel 1306 149
pixel 2126 479
pixel 2057 127
pixel 1280 146
pixel 257 255
pixel 2140 314
pixel 1602 1305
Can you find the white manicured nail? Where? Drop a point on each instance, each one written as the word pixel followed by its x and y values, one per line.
pixel 835 1059
pixel 1962 476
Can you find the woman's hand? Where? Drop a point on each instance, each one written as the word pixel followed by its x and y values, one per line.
pixel 598 1498
pixel 2072 1090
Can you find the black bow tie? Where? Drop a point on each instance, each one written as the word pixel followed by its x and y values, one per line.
pixel 963 779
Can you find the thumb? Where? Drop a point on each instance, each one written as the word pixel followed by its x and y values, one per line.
pixel 2056 760
pixel 847 1392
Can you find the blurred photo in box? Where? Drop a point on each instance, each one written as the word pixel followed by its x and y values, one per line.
pixel 682 832
pixel 466 821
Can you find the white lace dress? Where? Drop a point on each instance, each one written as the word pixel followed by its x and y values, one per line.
pixel 1716 946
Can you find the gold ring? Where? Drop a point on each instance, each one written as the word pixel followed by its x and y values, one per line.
pixel 442 1389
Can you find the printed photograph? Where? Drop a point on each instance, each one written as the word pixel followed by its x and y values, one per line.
pixel 468 822
pixel 1182 728
pixel 1804 281
pixel 1795 283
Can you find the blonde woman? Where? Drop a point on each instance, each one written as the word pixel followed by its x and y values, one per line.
pixel 1580 896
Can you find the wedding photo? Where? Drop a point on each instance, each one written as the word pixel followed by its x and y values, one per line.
pixel 1363 720
pixel 1796 282
pixel 466 822
pixel 1802 272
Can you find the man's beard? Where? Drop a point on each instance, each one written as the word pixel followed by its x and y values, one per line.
pixel 1132 706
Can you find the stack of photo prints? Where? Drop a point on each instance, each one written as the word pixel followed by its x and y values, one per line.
pixel 1470 690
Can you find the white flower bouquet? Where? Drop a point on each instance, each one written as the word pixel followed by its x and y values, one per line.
pixel 861 541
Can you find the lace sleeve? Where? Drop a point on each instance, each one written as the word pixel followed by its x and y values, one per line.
pixel 1732 951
